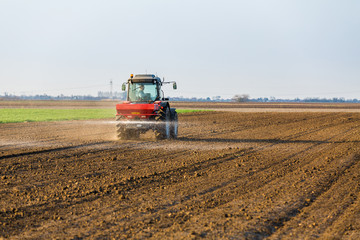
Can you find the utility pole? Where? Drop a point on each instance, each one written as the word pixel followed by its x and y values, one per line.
pixel 111 89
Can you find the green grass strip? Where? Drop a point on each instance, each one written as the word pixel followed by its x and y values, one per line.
pixel 14 115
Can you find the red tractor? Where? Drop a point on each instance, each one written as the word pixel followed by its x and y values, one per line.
pixel 146 109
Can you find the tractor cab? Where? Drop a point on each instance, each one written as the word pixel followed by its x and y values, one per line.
pixel 144 88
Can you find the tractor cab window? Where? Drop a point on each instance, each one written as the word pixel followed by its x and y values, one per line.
pixel 142 92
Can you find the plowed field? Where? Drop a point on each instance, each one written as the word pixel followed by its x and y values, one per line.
pixel 229 175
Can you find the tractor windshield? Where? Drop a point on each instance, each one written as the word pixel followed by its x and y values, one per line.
pixel 142 92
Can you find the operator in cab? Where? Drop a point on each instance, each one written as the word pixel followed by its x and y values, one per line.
pixel 141 94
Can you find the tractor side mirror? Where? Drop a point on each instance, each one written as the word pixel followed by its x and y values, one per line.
pixel 174 86
pixel 123 87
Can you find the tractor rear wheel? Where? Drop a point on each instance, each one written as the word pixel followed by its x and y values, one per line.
pixel 121 132
pixel 174 125
pixel 133 134
pixel 163 126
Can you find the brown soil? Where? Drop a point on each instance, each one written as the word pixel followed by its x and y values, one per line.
pixel 202 105
pixel 228 176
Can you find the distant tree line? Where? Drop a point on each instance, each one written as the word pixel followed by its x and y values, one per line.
pixel 307 100
pixel 194 99
pixel 47 97
pixel 122 96
pixel 241 98
pixel 113 95
pixel 246 98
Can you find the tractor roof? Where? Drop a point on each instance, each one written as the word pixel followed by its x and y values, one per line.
pixel 145 78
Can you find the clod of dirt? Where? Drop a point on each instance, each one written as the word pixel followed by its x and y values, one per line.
pixel 122 197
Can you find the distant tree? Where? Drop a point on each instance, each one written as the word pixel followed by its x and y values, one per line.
pixel 241 98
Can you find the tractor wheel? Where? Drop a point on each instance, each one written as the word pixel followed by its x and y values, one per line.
pixel 174 125
pixel 121 132
pixel 163 126
pixel 134 134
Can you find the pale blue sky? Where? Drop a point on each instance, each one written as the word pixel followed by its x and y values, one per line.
pixel 280 48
